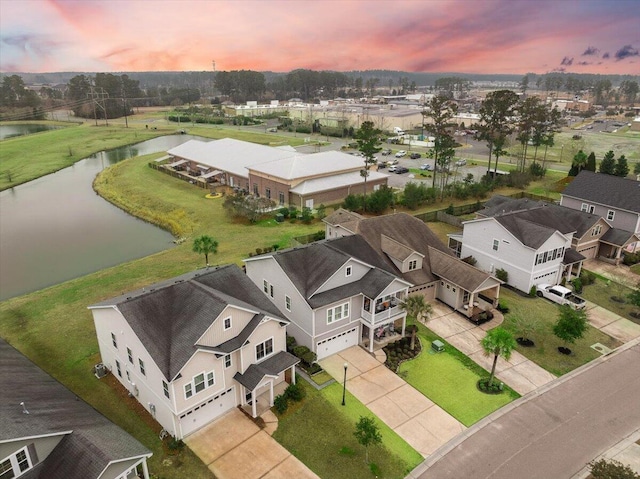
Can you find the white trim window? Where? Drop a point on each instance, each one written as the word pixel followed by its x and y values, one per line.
pixel 496 243
pixel 584 207
pixel 413 264
pixel 17 463
pixel 227 323
pixel 265 286
pixel 597 229
pixel 114 341
pixel 130 355
pixel 287 303
pixel 118 368
pixel 337 313
pixel 165 390
pixel 199 383
pixel 142 369
pixel 264 349
pixel 348 271
pixel 227 361
pixel 610 215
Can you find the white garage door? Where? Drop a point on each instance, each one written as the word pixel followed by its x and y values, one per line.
pixel 206 412
pixel 337 343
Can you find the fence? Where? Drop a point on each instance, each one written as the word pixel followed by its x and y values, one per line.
pixel 180 175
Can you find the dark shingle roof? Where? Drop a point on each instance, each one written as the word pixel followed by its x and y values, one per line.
pixel 609 190
pixel 528 233
pixel 169 317
pixel 617 237
pixel 500 204
pixel 269 367
pixel 572 256
pixel 371 285
pixel 457 271
pixel 53 409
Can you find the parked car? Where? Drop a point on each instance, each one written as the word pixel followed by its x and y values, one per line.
pixel 392 162
pixel 382 164
pixel 415 156
pixel 561 295
pixel 401 153
pixel 272 130
pixel 461 162
pixel 392 168
pixel 400 169
pixel 426 167
pixel 386 152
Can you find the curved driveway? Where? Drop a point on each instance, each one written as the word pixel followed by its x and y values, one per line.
pixel 553 432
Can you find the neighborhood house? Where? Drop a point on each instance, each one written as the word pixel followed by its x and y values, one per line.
pixel 193 347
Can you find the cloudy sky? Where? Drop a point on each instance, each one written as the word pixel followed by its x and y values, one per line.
pixel 475 36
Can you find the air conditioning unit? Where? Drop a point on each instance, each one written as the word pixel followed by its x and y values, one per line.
pixel 135 390
pixel 100 370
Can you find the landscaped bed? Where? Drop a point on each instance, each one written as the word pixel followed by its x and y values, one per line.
pixel 449 379
pixel 545 352
pixel 319 432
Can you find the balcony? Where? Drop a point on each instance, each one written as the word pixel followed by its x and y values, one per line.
pixel 384 312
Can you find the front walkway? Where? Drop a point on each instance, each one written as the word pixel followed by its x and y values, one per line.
pixel 424 425
pixel 520 373
pixel 234 447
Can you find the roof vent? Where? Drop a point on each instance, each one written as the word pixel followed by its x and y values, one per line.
pixel 24 408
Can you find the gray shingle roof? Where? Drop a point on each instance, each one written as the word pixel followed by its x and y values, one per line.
pixel 609 190
pixel 618 237
pixel 169 317
pixel 527 232
pixel 371 285
pixel 500 204
pixel 271 366
pixel 457 271
pixel 53 409
pixel 572 256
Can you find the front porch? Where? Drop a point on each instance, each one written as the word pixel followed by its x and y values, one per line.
pixel 264 401
pixel 383 321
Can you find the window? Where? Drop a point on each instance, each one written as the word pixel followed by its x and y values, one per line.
pixel 199 383
pixel 227 361
pixel 495 244
pixel 597 230
pixel 264 349
pixel 287 303
pixel 413 264
pixel 114 341
pixel 6 470
pixel 141 364
pixel 165 389
pixel 281 197
pixel 16 464
pixel 227 323
pixel 610 215
pixel 348 270
pixel 265 286
pixel 267 192
pixel 584 207
pixel 271 290
pixel 128 375
pixel 118 368
pixel 591 208
pixel 130 355
pixel 337 313
pixel 255 189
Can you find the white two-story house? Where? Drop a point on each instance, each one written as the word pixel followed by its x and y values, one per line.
pixel 336 293
pixel 193 347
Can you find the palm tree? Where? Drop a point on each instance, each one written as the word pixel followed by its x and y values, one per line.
pixel 205 245
pixel 417 307
pixel 498 342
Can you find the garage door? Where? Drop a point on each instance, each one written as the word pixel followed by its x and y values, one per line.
pixel 206 412
pixel 337 343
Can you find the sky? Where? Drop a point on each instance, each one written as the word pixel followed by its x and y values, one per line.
pixel 470 36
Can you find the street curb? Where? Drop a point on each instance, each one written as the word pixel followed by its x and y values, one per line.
pixel 456 441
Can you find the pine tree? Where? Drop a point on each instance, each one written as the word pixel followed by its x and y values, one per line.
pixel 608 164
pixel 622 168
pixel 591 162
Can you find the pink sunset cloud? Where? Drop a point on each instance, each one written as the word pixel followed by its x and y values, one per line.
pixel 498 36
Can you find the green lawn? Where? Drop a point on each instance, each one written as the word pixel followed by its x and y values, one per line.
pixel 319 432
pixel 545 353
pixel 25 158
pixel 449 380
pixel 636 269
pixel 602 291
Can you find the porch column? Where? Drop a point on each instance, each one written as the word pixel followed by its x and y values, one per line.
pixel 579 269
pixel 618 254
pixel 271 393
pixel 254 400
pixel 404 324
pixel 293 374
pixel 371 338
pixel 145 469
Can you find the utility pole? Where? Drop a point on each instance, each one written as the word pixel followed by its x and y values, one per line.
pixel 124 94
pixel 99 98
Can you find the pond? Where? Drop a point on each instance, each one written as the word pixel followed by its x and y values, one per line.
pixel 10 131
pixel 57 228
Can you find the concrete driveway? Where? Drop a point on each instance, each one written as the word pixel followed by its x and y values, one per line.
pixel 520 373
pixel 234 447
pixel 612 324
pixel 424 425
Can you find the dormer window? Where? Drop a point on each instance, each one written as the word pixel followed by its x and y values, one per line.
pixel 227 323
pixel 413 264
pixel 348 270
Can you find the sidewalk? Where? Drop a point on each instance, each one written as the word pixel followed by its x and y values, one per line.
pixel 621 273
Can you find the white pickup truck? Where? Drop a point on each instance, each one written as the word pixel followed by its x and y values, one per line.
pixel 561 295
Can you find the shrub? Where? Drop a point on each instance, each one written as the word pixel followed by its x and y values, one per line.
pixel 502 275
pixel 470 260
pixel 307 215
pixel 450 210
pixel 502 306
pixel 294 392
pixel 175 444
pixel 353 203
pixel 536 170
pixel 291 343
pixel 281 403
pixel 577 285
pixel 321 213
pixel 284 212
pixel 604 469
pixel 587 277
pixel 309 358
pixel 319 235
pixel 631 258
pixel 299 351
pixel 533 291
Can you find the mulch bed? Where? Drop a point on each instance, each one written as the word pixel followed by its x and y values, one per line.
pixel 401 351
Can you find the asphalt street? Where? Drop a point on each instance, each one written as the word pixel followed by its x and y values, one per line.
pixel 553 434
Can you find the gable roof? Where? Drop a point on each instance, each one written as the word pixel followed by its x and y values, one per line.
pixel 91 441
pixel 310 266
pixel 335 180
pixel 169 317
pixel 303 166
pixel 566 220
pixel 608 190
pixel 527 232
pixel 457 271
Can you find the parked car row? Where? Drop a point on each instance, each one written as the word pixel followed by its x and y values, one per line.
pixel 398 169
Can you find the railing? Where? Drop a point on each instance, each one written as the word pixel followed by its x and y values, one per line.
pixel 380 316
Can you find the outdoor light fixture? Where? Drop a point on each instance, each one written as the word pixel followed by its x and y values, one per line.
pixel 344 384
